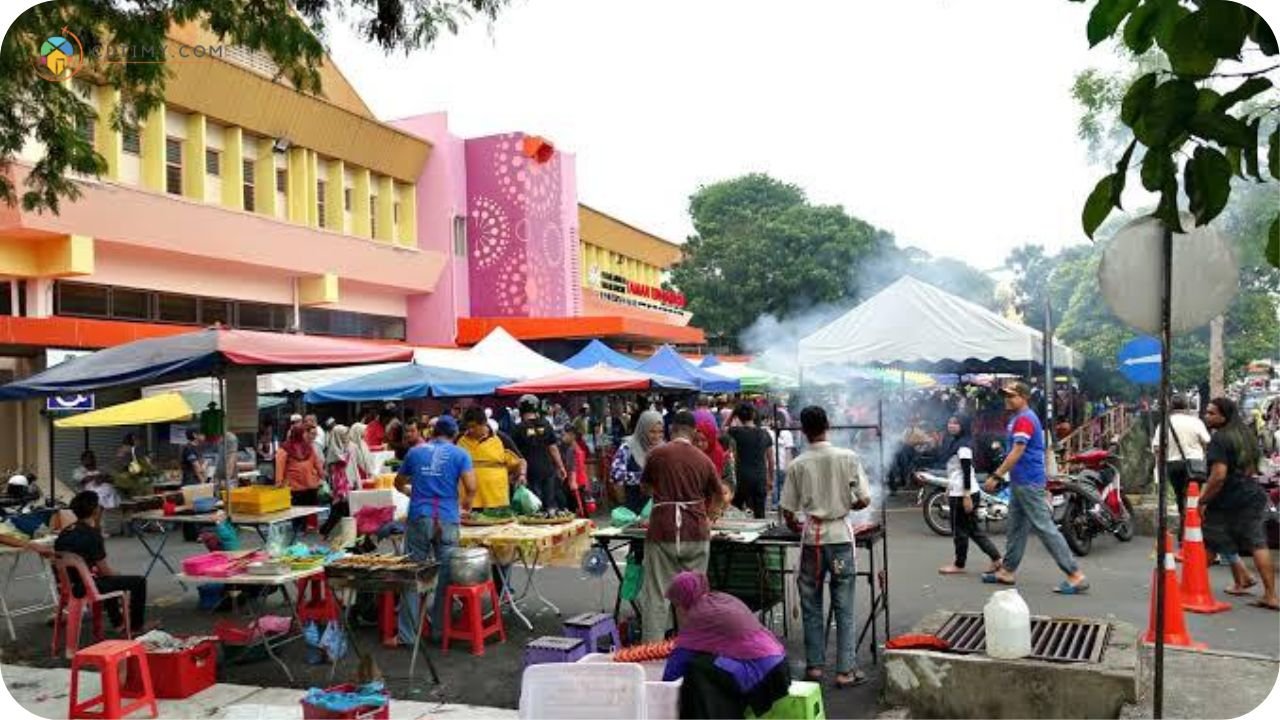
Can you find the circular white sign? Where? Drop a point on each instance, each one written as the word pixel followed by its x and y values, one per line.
pixel 1206 275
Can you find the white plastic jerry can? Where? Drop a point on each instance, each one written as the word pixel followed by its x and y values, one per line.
pixel 1007 622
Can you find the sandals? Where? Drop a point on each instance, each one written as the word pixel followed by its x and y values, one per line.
pixel 813 674
pixel 994 578
pixel 1265 605
pixel 859 678
pixel 1066 588
pixel 950 570
pixel 1241 590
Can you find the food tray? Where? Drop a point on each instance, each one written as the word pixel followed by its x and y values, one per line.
pixel 487 522
pixel 525 520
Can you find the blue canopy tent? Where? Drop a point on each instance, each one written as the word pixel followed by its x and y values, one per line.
pixel 407 382
pixel 709 361
pixel 596 353
pixel 669 363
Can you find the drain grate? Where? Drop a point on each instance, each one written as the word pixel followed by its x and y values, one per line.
pixel 1053 639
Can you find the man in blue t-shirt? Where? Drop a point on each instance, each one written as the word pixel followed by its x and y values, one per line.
pixel 1029 509
pixel 432 476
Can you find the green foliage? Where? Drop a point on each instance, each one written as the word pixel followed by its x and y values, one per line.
pixel 761 249
pixel 1178 110
pixel 32 108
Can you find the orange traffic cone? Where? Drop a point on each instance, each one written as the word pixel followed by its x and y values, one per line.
pixel 1175 627
pixel 1197 596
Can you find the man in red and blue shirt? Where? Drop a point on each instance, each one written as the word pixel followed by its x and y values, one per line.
pixel 1029 509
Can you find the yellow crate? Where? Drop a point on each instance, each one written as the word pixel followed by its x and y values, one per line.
pixel 260 500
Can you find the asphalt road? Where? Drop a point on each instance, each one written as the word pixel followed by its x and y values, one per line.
pixel 1119 574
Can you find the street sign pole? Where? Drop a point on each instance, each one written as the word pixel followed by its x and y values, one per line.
pixel 1162 464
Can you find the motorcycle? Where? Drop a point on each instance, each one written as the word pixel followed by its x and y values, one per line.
pixel 935 503
pixel 1088 501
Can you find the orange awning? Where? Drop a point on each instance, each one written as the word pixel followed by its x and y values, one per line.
pixel 472 330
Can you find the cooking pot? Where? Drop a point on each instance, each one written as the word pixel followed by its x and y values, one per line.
pixel 469 566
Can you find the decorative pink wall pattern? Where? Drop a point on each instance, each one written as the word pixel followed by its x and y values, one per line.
pixel 519 243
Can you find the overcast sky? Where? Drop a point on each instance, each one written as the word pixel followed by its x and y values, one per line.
pixel 947 122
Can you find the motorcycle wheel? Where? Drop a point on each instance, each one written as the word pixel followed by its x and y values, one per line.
pixel 937 512
pixel 1075 528
pixel 1124 530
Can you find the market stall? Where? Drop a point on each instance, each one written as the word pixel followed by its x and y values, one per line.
pixel 596 353
pixel 667 362
pixel 751 379
pixel 532 546
pixel 407 382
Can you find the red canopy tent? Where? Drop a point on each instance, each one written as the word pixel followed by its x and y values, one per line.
pixel 597 378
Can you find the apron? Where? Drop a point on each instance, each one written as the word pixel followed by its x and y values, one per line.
pixel 817 541
pixel 681 506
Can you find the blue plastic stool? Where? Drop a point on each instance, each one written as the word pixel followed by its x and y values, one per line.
pixel 591 628
pixel 551 649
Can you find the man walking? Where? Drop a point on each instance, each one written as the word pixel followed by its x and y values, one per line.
pixel 826 483
pixel 440 482
pixel 686 493
pixel 537 442
pixel 1028 505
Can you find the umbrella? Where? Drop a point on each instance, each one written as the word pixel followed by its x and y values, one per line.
pixel 599 378
pixel 406 382
pixel 169 407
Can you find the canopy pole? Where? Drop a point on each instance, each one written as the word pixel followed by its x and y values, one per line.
pixel 222 404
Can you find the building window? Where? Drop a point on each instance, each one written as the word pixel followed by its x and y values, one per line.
pixel 320 204
pixel 260 316
pixel 215 312
pixel 129 304
pixel 282 180
pixel 373 215
pixel 346 199
pixel 131 141
pixel 83 300
pixel 348 324
pixel 248 168
pixel 84 128
pixel 173 165
pixel 460 235
pixel 177 309
pixel 213 162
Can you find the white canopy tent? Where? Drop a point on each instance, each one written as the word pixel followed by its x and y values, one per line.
pixel 914 323
pixel 501 354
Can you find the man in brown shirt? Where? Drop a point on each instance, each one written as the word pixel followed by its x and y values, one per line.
pixel 686 490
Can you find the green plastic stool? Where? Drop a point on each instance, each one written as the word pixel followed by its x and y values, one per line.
pixel 803 702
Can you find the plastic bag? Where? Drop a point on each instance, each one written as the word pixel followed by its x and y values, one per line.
pixel 311 634
pixel 648 508
pixel 278 537
pixel 632 578
pixel 622 517
pixel 334 642
pixel 525 502
pixel 228 536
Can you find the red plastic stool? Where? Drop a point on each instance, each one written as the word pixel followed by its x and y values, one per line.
pixel 315 601
pixel 389 622
pixel 107 657
pixel 474 626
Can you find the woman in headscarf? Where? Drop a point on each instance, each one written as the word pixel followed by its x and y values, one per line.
pixel 628 462
pixel 708 441
pixel 299 468
pixel 340 462
pixel 963 496
pixel 728 660
pixel 363 455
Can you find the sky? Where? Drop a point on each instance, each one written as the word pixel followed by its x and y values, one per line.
pixel 946 122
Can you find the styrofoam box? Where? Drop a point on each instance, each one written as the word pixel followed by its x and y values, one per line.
pixel 601 691
pixel 661 699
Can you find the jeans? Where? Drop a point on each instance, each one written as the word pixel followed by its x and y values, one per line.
pixel 817 562
pixel 424 540
pixel 780 477
pixel 1029 512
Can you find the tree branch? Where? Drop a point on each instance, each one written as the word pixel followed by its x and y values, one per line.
pixel 1248 73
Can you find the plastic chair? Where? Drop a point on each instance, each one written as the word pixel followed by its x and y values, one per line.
pixel 315 601
pixel 106 657
pixel 474 626
pixel 71 608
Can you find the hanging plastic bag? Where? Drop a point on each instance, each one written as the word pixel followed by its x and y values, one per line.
pixel 525 502
pixel 228 536
pixel 632 578
pixel 334 642
pixel 622 517
pixel 278 538
pixel 648 508
pixel 311 634
pixel 325 495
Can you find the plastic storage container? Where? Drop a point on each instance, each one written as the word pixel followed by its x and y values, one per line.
pixel 260 500
pixel 313 712
pixel 179 675
pixel 661 699
pixel 583 691
pixel 1007 622
pixel 207 565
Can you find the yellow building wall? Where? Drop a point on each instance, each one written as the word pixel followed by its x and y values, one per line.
pixel 264 181
pixel 296 187
pixel 152 137
pixel 334 215
pixel 385 209
pixel 106 139
pixel 193 166
pixel 407 229
pixel 360 203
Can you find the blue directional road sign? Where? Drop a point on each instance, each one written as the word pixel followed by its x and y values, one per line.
pixel 69 403
pixel 1140 360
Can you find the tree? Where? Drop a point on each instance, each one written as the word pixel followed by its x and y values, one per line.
pixel 761 249
pixel 1031 273
pixel 1187 111
pixel 31 107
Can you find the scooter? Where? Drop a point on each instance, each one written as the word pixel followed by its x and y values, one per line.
pixel 933 499
pixel 1088 501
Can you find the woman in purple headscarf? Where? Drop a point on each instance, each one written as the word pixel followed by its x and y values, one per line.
pixel 728 660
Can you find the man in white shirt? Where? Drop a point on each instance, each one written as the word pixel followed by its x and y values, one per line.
pixel 1188 438
pixel 826 484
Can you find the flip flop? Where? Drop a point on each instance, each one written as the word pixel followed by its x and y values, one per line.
pixel 1262 604
pixel 1239 592
pixel 859 678
pixel 813 674
pixel 994 579
pixel 1066 588
pixel 950 570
